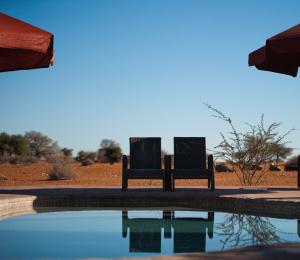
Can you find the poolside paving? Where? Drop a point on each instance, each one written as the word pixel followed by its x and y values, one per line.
pixel 281 202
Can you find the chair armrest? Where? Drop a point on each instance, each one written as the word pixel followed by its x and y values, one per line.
pixel 210 162
pixel 124 162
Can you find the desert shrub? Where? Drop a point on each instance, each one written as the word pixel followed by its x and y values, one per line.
pixel 87 162
pixel 4 158
pixel 109 152
pixel 41 146
pixel 67 152
pixel 13 148
pixel 23 159
pixel 61 171
pixel 291 164
pixel 86 158
pixel 247 152
pixel 292 161
pixel 13 145
pixel 58 156
pixel 274 168
pixel 281 152
pixel 101 158
pixel 221 167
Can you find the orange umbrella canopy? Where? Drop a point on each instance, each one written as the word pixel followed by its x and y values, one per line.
pixel 280 54
pixel 24 46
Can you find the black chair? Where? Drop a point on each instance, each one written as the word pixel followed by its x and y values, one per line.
pixel 145 161
pixel 190 161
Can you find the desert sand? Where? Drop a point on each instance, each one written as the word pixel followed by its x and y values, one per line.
pixel 100 174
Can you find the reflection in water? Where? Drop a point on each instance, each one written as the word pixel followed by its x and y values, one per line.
pixel 240 230
pixel 189 232
pixel 98 233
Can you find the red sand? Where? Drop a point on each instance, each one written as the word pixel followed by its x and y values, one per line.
pixel 110 175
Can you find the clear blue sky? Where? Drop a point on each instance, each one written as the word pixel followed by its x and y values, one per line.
pixel 145 68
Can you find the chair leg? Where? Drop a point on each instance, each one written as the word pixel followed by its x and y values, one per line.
pixel 124 183
pixel 173 183
pixel 208 183
pixel 212 188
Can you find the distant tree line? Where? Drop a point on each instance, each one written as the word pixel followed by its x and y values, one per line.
pixel 28 148
pixel 34 146
pixel 109 152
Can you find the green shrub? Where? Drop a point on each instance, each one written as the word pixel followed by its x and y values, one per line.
pixel 87 162
pixel 109 152
pixel 61 171
pixel 67 152
pixel 11 145
pixel 86 158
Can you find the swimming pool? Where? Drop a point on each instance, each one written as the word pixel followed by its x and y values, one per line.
pixel 136 233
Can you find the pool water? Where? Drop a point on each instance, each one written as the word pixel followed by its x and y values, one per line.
pixel 136 233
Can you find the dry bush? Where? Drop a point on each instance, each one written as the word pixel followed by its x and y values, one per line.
pixel 61 171
pixel 87 162
pixel 23 159
pixel 248 153
pixel 4 158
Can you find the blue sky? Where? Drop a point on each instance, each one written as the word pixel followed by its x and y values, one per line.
pixel 145 68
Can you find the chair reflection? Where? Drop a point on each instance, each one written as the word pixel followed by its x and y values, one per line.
pixel 189 233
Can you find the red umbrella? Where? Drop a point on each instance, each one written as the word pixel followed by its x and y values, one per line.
pixel 24 46
pixel 280 54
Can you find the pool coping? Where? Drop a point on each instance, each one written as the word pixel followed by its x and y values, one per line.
pixel 280 202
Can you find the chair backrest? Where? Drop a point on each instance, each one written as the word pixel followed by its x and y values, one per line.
pixel 145 152
pixel 189 153
pixel 145 235
pixel 189 235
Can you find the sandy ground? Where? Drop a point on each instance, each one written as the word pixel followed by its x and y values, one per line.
pixel 110 175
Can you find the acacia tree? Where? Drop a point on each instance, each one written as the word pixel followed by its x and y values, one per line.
pixel 281 152
pixel 245 152
pixel 41 145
